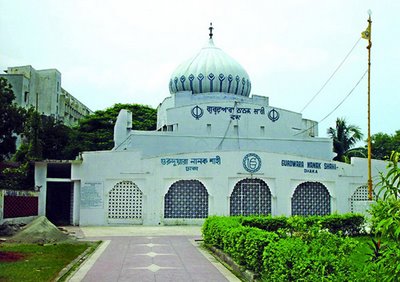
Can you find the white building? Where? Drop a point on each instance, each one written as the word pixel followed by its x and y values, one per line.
pixel 217 151
pixel 42 89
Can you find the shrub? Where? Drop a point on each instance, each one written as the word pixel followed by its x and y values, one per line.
pixel 293 259
pixel 256 241
pixel 267 223
pixel 235 242
pixel 347 224
pixel 308 252
pixel 215 229
pixel 243 243
pixel 286 260
pixel 298 223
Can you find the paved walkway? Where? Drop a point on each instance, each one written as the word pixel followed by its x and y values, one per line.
pixel 166 253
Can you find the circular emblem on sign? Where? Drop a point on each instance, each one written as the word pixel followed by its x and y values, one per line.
pixel 252 162
pixel 197 112
pixel 273 115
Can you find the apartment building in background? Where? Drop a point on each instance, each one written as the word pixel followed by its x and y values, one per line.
pixel 42 89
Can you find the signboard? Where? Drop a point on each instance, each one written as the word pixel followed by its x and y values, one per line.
pixel 191 164
pixel 92 195
pixel 309 167
pixel 235 113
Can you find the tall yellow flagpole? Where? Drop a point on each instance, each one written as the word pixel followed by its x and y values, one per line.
pixel 367 35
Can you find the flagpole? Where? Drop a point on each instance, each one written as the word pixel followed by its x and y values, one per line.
pixel 369 108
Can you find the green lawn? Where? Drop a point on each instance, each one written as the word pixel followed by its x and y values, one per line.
pixel 39 262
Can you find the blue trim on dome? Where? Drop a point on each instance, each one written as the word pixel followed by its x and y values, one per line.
pixel 191 78
pixel 200 77
pixel 237 78
pixel 224 84
pixel 176 83
pixel 170 86
pixel 230 78
pixel 183 78
pixel 211 78
pixel 243 84
pixel 221 79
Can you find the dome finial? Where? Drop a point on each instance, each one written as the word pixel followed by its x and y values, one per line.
pixel 211 30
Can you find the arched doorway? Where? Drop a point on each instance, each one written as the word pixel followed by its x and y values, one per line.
pixel 125 203
pixel 250 196
pixel 186 199
pixel 311 198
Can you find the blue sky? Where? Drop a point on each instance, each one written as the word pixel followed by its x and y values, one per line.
pixel 125 51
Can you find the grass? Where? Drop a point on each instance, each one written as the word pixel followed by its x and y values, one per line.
pixel 40 262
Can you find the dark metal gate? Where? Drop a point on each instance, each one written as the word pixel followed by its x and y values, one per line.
pixel 186 199
pixel 250 197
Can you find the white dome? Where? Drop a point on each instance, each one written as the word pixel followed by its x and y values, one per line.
pixel 211 70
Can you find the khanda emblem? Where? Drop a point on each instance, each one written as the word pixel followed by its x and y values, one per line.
pixel 273 115
pixel 197 112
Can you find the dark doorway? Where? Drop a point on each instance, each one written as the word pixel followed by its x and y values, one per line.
pixel 58 202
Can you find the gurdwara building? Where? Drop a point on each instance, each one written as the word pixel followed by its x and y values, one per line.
pixel 217 150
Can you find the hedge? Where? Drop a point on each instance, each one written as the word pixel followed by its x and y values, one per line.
pixel 215 229
pixel 244 244
pixel 301 248
pixel 346 224
pixel 327 256
pixel 267 223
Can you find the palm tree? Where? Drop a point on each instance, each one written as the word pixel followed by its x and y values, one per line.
pixel 344 138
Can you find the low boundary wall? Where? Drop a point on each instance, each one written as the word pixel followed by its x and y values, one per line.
pixel 18 206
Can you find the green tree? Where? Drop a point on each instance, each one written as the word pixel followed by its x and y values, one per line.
pixel 359 152
pixel 55 137
pixel 11 120
pixel 383 144
pixel 96 132
pixel 344 137
pixel 31 147
pixel 43 138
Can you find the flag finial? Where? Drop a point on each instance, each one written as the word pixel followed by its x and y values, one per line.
pixel 211 30
pixel 366 34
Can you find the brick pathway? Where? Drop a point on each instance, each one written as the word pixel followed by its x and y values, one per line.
pixel 151 258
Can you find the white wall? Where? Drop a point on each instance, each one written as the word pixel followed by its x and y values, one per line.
pixel 155 178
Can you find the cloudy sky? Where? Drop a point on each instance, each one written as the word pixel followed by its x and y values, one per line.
pixel 124 51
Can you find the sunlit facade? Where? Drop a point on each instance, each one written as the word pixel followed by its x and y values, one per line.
pixel 217 150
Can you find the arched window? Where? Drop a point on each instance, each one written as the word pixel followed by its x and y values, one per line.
pixel 311 198
pixel 186 199
pixel 250 196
